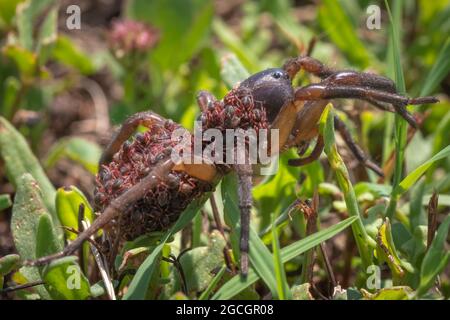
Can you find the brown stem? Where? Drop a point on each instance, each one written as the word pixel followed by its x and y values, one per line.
pixel 432 217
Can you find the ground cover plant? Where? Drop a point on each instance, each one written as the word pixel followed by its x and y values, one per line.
pixel 72 72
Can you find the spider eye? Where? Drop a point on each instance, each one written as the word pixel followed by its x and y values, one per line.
pixel 277 74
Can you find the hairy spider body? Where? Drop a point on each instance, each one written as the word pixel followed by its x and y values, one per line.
pixel 161 206
pixel 134 185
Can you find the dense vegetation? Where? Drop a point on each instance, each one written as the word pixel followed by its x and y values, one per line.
pixel 62 91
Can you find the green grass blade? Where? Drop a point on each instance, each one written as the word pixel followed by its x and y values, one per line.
pixel 338 26
pixel 363 241
pixel 439 70
pixel 280 275
pixel 80 150
pixel 19 159
pixel 233 43
pixel 260 257
pixel 409 180
pixel 237 284
pixel 436 258
pixel 205 294
pixel 400 124
pixel 139 285
pixel 232 70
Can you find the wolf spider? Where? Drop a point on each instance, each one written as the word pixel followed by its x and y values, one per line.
pixel 264 100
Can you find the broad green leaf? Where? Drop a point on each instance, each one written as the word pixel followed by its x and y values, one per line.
pixel 411 178
pixel 98 289
pixel 19 160
pixel 9 263
pixel 65 281
pixel 140 283
pixel 48 34
pixel 387 252
pixel 436 258
pixel 393 293
pixel 25 25
pixel 11 88
pixel 302 292
pixel 49 29
pixel 67 53
pixel 199 262
pixel 26 18
pixel 68 200
pixel 377 190
pixel 8 10
pixel 80 150
pixel 237 284
pixel 5 201
pixel 337 25
pixel 25 60
pixel 47 241
pixel 27 209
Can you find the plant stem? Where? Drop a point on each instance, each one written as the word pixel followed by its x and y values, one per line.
pixel 400 124
pixel 363 241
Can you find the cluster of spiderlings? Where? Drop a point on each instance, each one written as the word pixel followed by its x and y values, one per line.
pixel 128 36
pixel 236 110
pixel 161 206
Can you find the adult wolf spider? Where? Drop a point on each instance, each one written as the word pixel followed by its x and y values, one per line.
pixel 140 189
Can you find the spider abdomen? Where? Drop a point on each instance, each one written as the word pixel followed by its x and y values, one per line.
pixel 161 206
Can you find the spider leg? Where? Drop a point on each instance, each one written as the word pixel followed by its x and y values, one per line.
pixel 309 64
pixel 314 155
pixel 355 148
pixel 360 79
pixel 146 118
pixel 326 91
pixel 380 105
pixel 114 209
pixel 333 77
pixel 244 173
pixel 304 128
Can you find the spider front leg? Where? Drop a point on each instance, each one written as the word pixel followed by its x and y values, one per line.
pixel 355 148
pixel 145 118
pixel 327 91
pixel 305 129
pixel 314 155
pixel 334 77
pixel 309 64
pixel 114 209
